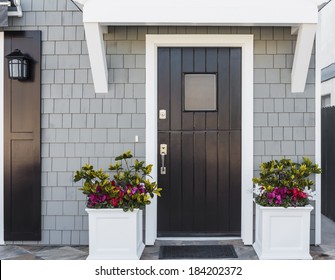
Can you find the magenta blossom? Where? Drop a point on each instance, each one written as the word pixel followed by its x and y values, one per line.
pixel 134 190
pixel 95 199
pixel 277 195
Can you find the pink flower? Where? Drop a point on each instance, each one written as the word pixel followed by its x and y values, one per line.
pixel 278 199
pixel 115 202
pixel 134 190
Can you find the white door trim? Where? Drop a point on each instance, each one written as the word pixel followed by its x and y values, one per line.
pixel 2 56
pixel 246 43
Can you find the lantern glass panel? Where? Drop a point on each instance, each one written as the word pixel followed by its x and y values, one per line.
pixel 18 69
pixel 14 68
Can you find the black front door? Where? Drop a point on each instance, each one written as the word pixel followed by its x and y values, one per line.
pixel 199 103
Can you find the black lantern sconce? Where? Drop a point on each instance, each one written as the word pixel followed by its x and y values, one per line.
pixel 18 65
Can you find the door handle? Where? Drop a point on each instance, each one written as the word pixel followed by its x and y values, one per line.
pixel 163 153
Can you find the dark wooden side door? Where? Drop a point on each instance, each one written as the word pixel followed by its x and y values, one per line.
pixel 22 168
pixel 202 184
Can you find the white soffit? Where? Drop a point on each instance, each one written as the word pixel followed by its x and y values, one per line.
pixel 302 15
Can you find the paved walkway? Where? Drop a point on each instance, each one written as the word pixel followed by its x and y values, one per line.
pixel 326 251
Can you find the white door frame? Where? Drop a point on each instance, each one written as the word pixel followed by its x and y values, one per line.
pixel 246 43
pixel 2 55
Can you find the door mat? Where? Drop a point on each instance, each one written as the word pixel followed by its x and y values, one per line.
pixel 197 252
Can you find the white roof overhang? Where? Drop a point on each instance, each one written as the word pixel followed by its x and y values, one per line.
pixel 301 15
pixel 200 12
pixel 9 8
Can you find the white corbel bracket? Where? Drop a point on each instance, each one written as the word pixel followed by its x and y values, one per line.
pixel 302 56
pixel 97 53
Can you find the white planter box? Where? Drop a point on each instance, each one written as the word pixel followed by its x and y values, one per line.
pixel 115 234
pixel 283 233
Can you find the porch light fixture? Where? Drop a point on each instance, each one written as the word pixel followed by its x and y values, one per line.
pixel 18 65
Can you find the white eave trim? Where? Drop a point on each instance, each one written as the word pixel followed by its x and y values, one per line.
pixel 199 12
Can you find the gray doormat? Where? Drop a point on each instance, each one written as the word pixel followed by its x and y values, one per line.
pixel 197 252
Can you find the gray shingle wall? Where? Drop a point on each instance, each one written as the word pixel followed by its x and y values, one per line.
pixel 79 126
pixel 283 121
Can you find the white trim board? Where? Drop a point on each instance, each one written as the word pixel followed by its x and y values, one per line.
pixel 2 55
pixel 246 43
pixel 318 135
pixel 210 12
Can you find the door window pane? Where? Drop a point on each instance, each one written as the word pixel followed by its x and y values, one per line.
pixel 200 92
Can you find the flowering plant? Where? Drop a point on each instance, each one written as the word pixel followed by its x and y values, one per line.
pixel 130 188
pixel 285 183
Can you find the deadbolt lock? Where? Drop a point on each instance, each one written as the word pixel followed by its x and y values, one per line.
pixel 162 114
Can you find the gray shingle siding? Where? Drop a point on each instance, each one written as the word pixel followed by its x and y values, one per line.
pixel 79 126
